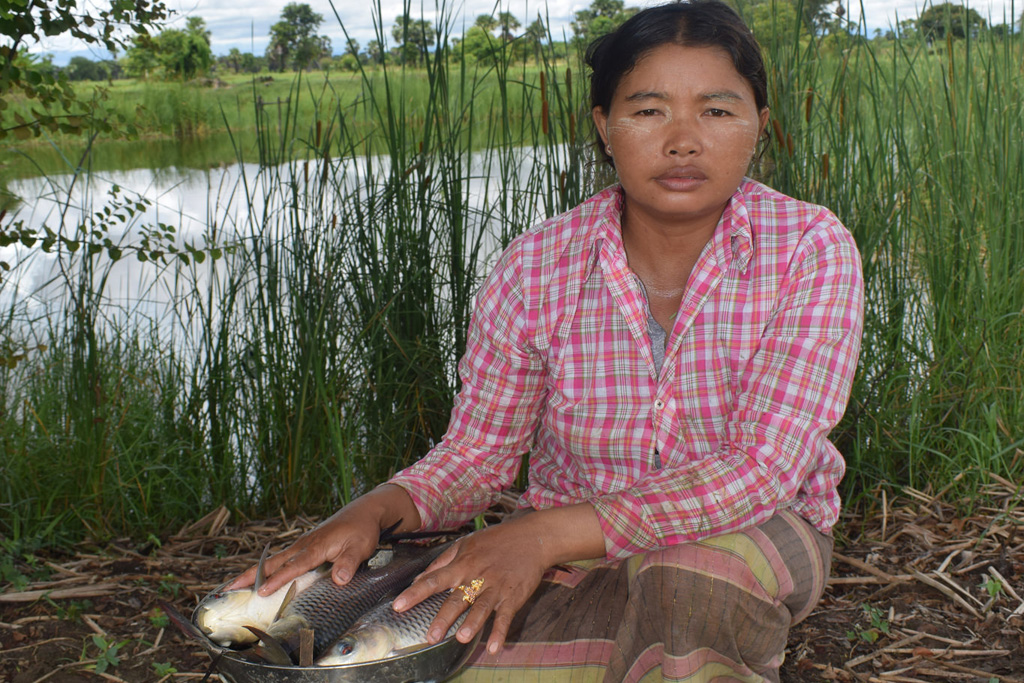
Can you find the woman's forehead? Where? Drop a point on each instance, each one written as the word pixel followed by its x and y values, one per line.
pixel 668 70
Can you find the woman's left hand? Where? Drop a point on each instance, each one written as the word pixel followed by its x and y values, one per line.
pixel 508 561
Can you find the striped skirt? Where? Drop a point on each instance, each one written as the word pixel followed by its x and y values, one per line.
pixel 715 610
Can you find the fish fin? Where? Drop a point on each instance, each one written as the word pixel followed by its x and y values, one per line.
pixel 284 603
pixel 213 667
pixel 270 648
pixel 184 624
pixel 261 572
pixel 386 535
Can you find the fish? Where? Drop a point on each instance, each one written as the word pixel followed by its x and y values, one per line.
pixel 330 610
pixel 224 615
pixel 382 632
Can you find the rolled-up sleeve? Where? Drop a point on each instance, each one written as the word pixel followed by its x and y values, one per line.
pixel 495 413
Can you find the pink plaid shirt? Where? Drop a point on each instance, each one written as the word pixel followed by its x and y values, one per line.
pixel 558 365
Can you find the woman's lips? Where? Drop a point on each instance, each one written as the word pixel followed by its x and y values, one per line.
pixel 681 179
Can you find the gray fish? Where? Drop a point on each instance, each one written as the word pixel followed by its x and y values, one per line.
pixel 382 632
pixel 329 610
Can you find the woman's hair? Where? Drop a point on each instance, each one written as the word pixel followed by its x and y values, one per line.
pixel 698 23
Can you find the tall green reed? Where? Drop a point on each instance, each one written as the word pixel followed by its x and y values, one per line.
pixel 319 356
pixel 911 145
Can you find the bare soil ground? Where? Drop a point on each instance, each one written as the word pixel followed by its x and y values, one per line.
pixel 918 594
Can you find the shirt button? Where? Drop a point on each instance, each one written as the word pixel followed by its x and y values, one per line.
pixel 659 404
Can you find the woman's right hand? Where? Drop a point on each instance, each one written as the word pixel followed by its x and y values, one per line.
pixel 345 539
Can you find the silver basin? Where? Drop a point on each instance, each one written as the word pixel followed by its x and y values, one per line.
pixel 435 663
pixel 429 665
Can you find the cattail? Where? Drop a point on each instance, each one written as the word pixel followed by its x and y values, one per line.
pixel 568 84
pixel 807 106
pixel 572 127
pixel 561 182
pixel 789 144
pixel 780 137
pixel 824 166
pixel 305 172
pixel 543 87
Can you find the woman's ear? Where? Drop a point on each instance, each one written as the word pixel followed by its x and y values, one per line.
pixel 601 123
pixel 762 122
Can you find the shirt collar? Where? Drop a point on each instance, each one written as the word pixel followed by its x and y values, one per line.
pixel 733 241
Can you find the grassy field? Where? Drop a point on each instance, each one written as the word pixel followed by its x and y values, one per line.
pixel 317 355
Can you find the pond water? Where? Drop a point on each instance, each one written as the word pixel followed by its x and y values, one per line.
pixel 217 205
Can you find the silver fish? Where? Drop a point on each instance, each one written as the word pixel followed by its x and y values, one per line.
pixel 382 632
pixel 223 616
pixel 329 610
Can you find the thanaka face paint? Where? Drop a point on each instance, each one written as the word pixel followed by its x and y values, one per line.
pixel 683 126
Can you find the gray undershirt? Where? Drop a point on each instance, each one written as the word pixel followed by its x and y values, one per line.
pixel 659 338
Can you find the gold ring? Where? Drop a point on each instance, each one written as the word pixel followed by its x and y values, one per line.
pixel 470 592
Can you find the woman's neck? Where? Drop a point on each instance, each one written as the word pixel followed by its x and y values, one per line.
pixel 662 255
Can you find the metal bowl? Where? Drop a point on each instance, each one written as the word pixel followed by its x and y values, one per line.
pixel 431 664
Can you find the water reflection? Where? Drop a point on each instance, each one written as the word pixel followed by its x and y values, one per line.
pixel 217 206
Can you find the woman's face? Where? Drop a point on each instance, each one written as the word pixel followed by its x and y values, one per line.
pixel 682 127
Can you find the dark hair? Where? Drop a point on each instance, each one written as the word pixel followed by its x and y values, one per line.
pixel 698 23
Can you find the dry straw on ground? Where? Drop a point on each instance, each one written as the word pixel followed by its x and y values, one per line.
pixel 919 594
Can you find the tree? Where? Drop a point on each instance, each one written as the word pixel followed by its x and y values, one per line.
pixel 958 20
pixel 479 45
pixel 24 23
pixel 178 53
pixel 414 37
pixel 508 24
pixel 601 18
pixel 293 40
pixel 487 22
pixel 375 52
pixel 535 34
pixel 84 69
pixel 185 54
pixel 773 22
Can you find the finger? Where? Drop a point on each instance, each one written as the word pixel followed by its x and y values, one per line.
pixel 444 559
pixel 345 566
pixel 295 565
pixel 499 629
pixel 477 617
pixel 243 580
pixel 449 613
pixel 422 587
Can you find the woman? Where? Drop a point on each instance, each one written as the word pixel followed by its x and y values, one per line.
pixel 672 354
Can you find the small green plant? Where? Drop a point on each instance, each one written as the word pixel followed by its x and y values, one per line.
pixel 169 585
pixel 158 618
pixel 879 625
pixel 163 669
pixel 992 586
pixel 108 656
pixel 220 551
pixel 70 611
pixel 10 573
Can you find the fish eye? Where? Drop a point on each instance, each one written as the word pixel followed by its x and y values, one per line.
pixel 346 648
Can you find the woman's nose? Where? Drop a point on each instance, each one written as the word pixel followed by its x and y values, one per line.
pixel 683 139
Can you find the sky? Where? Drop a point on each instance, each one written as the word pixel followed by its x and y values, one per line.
pixel 248 28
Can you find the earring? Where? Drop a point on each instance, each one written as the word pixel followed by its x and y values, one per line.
pixel 608 148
